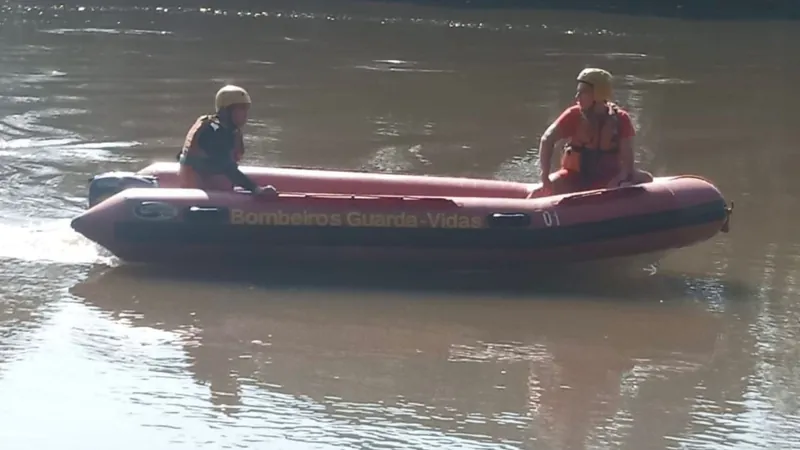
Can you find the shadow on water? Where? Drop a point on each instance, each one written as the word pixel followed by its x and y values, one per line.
pixel 628 280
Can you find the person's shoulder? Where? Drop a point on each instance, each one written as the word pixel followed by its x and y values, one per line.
pixel 570 113
pixel 205 128
pixel 207 125
pixel 572 110
pixel 624 120
pixel 622 112
pixel 209 121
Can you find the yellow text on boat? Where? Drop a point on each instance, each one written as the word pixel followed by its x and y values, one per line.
pixel 355 219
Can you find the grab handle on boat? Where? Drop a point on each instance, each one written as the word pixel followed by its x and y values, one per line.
pixel 399 199
pixel 206 214
pixel 588 197
pixel 503 220
pixel 726 226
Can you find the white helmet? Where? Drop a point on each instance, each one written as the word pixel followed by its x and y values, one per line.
pixel 231 95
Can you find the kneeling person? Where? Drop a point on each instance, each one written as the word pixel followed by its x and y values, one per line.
pixel 214 146
pixel 599 134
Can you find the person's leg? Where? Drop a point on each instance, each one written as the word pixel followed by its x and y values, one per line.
pixel 566 181
pixel 219 183
pixel 563 182
pixel 188 178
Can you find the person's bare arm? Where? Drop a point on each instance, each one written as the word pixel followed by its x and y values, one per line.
pixel 546 148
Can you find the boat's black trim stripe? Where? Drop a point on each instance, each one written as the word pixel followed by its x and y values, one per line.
pixel 165 233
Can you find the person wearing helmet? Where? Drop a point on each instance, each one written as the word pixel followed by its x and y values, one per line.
pixel 214 146
pixel 599 141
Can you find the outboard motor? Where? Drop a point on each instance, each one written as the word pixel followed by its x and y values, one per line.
pixel 107 184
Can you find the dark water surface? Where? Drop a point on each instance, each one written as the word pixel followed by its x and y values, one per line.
pixel 701 355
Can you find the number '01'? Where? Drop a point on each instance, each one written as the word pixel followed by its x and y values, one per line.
pixel 551 218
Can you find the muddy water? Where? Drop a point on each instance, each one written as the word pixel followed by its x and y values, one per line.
pixel 703 354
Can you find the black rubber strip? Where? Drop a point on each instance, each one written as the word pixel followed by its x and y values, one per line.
pixel 225 234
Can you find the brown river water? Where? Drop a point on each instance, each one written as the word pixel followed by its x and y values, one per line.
pixel 94 354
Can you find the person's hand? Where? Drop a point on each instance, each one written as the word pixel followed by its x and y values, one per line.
pixel 620 180
pixel 547 185
pixel 546 189
pixel 266 192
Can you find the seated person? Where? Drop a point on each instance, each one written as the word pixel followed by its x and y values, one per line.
pixel 214 146
pixel 599 149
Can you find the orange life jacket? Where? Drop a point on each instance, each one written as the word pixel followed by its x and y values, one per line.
pixel 597 137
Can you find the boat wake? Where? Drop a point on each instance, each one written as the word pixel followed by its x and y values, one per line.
pixel 50 240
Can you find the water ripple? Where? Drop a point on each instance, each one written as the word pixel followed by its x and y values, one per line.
pixel 656 80
pixel 64 31
pixel 40 12
pixel 384 65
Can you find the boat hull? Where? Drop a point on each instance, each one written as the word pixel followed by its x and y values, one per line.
pixel 329 217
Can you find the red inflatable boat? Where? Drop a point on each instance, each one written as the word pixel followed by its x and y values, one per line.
pixel 333 217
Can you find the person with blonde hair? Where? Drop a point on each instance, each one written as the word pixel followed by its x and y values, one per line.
pixel 599 148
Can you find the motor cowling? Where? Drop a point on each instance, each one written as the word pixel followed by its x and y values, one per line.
pixel 105 185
